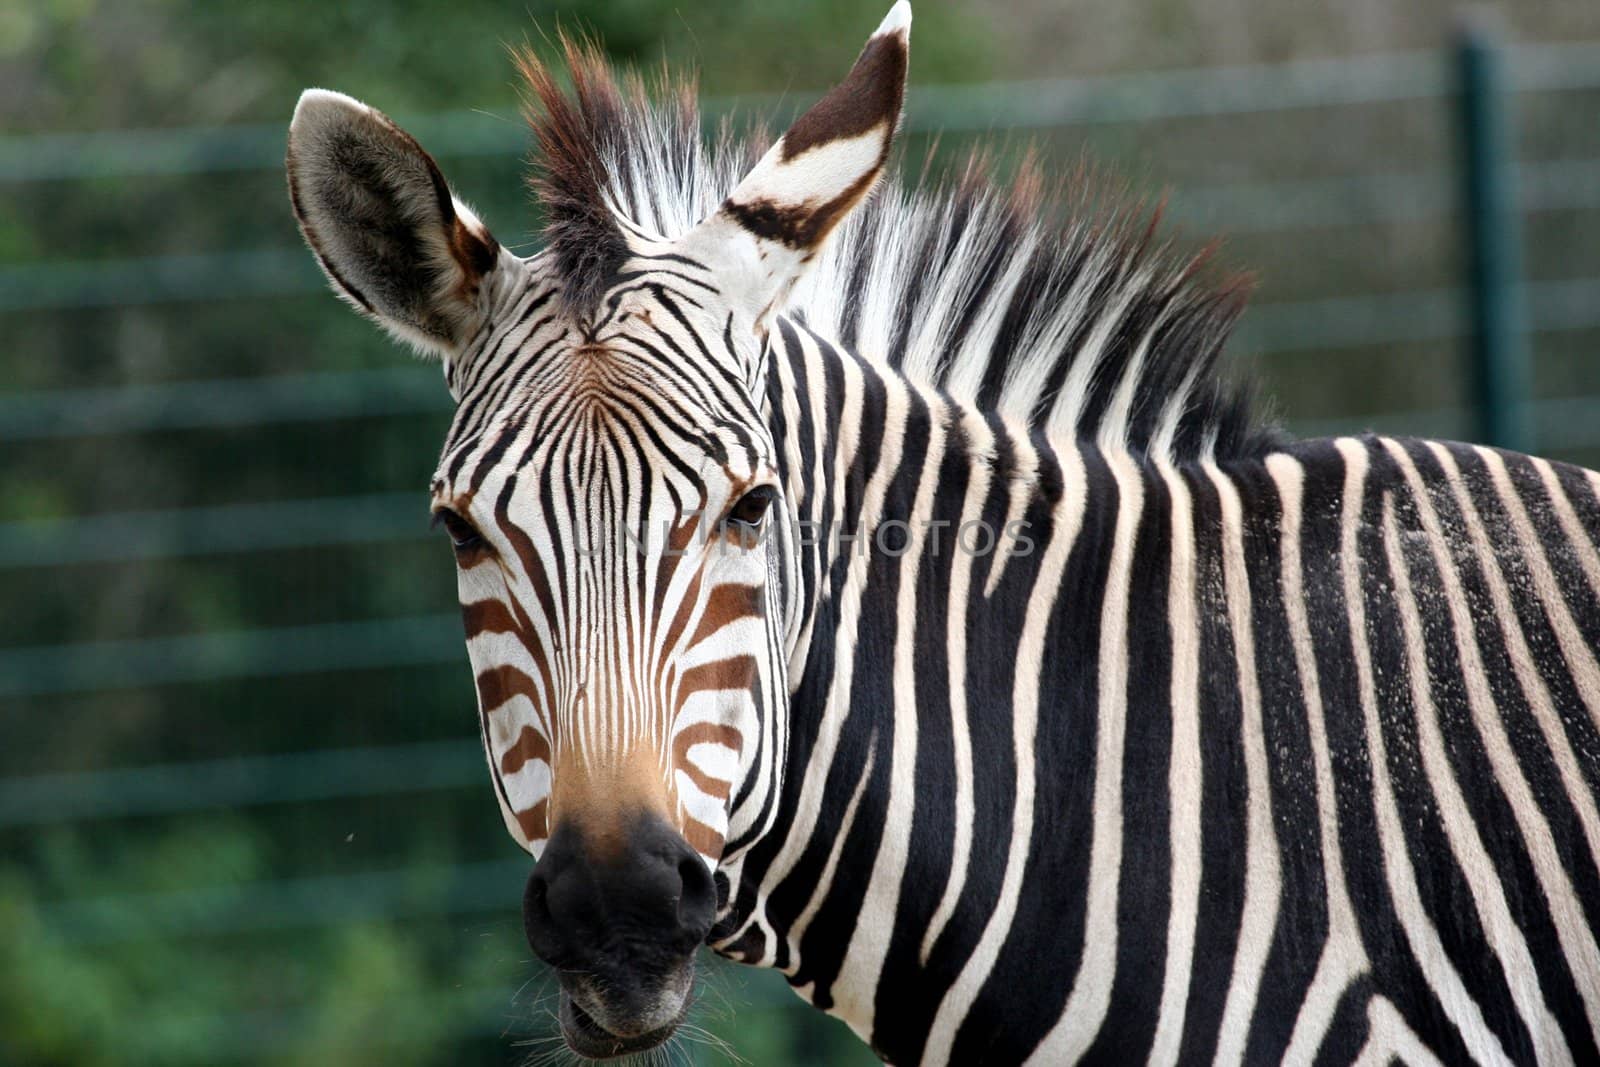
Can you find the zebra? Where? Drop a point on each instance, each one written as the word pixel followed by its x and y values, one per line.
pixel 885 583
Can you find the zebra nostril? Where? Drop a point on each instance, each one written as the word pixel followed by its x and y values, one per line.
pixel 536 900
pixel 537 921
pixel 697 901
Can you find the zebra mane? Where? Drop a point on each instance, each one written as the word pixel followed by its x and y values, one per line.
pixel 1031 298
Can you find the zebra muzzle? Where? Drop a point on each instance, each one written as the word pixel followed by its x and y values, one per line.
pixel 620 917
pixel 588 1038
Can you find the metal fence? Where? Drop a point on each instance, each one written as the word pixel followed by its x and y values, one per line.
pixel 1489 305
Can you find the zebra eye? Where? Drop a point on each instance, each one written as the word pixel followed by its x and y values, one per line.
pixel 750 509
pixel 464 537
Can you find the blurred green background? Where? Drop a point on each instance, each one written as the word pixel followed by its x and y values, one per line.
pixel 243 815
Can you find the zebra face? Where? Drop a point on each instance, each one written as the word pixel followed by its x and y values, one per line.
pixel 611 489
pixel 609 519
pixel 611 529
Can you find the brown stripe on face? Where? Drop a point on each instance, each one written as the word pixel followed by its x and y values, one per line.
pixel 735 672
pixel 473 555
pixel 702 838
pixel 530 745
pixel 727 604
pixel 522 545
pixel 494 617
pixel 705 733
pixel 487 617
pixel 497 685
pixel 680 618
pixel 525 633
pixel 683 532
pixel 535 821
pixel 679 537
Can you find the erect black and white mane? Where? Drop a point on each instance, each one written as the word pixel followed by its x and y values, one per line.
pixel 1028 299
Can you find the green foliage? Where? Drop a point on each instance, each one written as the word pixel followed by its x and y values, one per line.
pixel 99 963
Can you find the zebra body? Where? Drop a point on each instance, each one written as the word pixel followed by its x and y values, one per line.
pixel 1287 758
pixel 915 610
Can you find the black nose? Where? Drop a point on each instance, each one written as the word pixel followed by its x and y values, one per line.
pixel 641 903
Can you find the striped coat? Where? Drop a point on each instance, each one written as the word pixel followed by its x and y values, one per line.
pixel 996 674
pixel 1266 758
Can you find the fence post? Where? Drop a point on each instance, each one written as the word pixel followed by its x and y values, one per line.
pixel 1494 238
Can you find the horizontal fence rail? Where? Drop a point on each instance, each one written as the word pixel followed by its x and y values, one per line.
pixel 200 531
pixel 86 666
pixel 997 105
pixel 222 402
pixel 201 785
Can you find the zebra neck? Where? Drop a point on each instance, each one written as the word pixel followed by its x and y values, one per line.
pixel 924 525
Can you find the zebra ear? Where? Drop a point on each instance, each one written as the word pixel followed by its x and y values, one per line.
pixel 825 164
pixel 389 235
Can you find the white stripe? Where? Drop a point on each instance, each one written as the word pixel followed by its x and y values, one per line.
pixel 812 358
pixel 1050 331
pixel 1069 405
pixel 969 365
pixel 797 929
pixel 1086 1007
pixel 1117 421
pixel 1343 957
pixel 1021 483
pixel 527 785
pixel 1389 1039
pixel 1172 412
pixel 765 760
pixel 813 778
pixel 1263 885
pixel 1184 778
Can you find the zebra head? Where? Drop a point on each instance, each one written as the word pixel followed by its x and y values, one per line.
pixel 611 487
